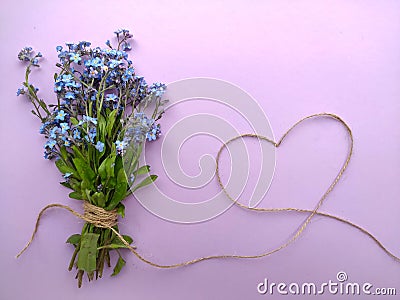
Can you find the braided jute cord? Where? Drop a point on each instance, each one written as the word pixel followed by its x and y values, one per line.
pixel 107 219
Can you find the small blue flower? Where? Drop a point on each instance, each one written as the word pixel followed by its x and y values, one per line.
pixel 158 89
pixel 100 146
pixel 122 54
pixel 126 46
pixel 72 47
pixel 61 115
pixel 111 97
pixel 126 77
pixel 91 135
pixel 132 178
pixel 67 175
pixel 69 95
pixel 84 44
pixel 95 62
pixel 67 78
pixel 88 119
pixel 50 144
pixel 130 71
pixel 115 105
pixel 20 91
pixel 93 120
pixel 120 146
pixel 64 127
pixel 151 136
pixel 25 54
pixel 67 142
pixel 59 48
pixel 118 31
pixel 111 53
pixel 93 73
pixel 48 154
pixel 58 85
pixel 42 129
pixel 77 134
pixel 75 84
pixel 54 131
pixel 92 132
pixel 62 55
pixel 114 63
pixel 153 133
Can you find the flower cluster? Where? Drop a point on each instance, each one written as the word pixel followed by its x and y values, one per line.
pixel 26 54
pixel 93 82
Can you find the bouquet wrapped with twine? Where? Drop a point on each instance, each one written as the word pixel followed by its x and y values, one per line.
pixel 95 134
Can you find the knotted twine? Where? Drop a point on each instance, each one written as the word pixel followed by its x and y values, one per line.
pixel 107 219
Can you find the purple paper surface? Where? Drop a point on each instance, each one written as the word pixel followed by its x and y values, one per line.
pixel 295 59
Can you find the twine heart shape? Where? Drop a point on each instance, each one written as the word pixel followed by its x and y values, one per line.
pixel 278 144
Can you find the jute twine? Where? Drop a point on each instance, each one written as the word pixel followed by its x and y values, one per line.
pixel 107 219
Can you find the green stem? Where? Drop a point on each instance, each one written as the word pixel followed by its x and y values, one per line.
pixel 32 93
pixel 71 264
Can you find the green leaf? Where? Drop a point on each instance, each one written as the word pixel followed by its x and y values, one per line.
pixel 75 184
pixel 111 183
pixel 118 164
pixel 78 153
pixel 106 171
pixel 66 184
pixel 86 194
pixel 118 267
pixel 74 121
pixel 64 153
pixel 102 170
pixel 117 241
pixel 74 239
pixel 142 170
pixel 84 170
pixel 121 210
pixel 76 195
pixel 131 159
pixel 118 244
pixel 63 167
pixel 111 121
pixel 99 199
pixel 101 125
pixel 121 177
pixel 120 190
pixel 86 185
pixel 88 252
pixel 148 180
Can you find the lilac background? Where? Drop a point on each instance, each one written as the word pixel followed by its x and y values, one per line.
pixel 295 58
